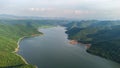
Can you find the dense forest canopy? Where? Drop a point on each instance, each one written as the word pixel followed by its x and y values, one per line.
pixel 103 35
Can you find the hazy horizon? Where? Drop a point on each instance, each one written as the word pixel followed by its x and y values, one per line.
pixel 77 9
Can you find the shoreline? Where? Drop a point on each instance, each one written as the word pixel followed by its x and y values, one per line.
pixel 17 48
pixel 74 42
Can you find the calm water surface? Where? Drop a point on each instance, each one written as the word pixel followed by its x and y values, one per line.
pixel 52 50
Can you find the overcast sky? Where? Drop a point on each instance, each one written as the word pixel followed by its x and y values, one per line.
pixel 81 9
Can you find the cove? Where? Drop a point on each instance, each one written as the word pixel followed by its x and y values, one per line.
pixel 53 50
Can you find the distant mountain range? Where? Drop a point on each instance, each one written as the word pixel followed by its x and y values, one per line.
pixel 14 17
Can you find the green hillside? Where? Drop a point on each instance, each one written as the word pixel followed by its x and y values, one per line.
pixel 103 35
pixel 10 32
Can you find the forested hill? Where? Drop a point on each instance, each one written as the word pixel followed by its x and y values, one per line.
pixel 103 35
pixel 106 43
pixel 9 35
pixel 11 31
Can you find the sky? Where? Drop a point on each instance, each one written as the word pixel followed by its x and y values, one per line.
pixel 79 9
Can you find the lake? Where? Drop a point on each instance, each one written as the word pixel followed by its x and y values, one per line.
pixel 53 50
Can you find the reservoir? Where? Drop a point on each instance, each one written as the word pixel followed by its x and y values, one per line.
pixel 53 50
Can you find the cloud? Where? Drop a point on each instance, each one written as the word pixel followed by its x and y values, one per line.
pixel 40 9
pixel 83 9
pixel 64 11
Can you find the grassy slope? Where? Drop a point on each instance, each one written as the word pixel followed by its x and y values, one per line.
pixel 9 35
pixel 11 31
